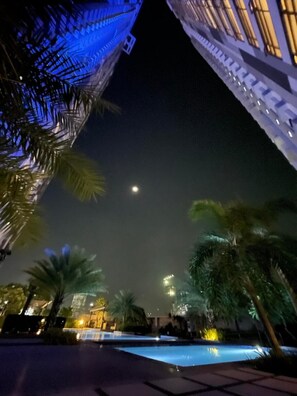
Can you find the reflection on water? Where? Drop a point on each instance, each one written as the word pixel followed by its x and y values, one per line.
pixel 97 335
pixel 213 351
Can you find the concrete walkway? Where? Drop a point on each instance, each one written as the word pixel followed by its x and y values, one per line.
pixel 242 381
pixel 90 370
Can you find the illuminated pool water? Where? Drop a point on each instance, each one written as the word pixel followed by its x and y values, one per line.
pixel 195 355
pixel 97 335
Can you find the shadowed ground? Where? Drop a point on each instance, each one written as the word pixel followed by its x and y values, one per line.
pixel 89 370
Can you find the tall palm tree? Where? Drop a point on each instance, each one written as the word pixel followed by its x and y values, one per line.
pixel 125 311
pixel 277 254
pixel 68 273
pixel 43 92
pixel 225 261
pixel 189 297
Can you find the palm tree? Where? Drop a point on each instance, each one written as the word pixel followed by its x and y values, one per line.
pixel 61 275
pixel 277 254
pixel 189 299
pixel 41 102
pixel 66 312
pixel 31 290
pixel 225 264
pixel 125 311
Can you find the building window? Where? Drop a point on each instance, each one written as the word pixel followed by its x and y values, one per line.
pixel 262 14
pixel 232 20
pixel 209 5
pixel 289 14
pixel 246 23
pixel 192 12
pixel 223 18
pixel 204 7
pixel 197 9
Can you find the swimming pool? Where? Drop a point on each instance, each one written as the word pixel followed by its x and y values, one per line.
pixel 195 355
pixel 97 335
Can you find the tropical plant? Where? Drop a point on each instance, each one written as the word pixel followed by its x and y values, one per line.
pixel 44 91
pixel 101 302
pixel 73 271
pixel 279 365
pixel 278 255
pixel 12 298
pixel 31 290
pixel 212 334
pixel 125 311
pixel 59 337
pixel 190 301
pixel 66 312
pixel 227 265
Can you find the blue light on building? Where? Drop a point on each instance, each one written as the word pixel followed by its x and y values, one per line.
pixel 92 38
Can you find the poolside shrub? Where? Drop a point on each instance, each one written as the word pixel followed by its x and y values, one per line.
pixel 212 334
pixel 135 329
pixel 280 365
pixel 71 322
pixel 2 318
pixel 56 336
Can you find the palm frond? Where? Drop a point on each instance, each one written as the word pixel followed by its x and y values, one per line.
pixel 33 229
pixel 204 207
pixel 79 175
pixel 45 93
pixel 70 272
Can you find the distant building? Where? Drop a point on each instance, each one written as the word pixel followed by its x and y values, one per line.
pixel 252 46
pixel 94 39
pixel 78 304
pixel 169 285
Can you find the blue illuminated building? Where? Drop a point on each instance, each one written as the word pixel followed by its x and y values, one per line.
pixel 98 34
pixel 252 46
pixel 94 38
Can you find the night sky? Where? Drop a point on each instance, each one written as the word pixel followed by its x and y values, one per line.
pixel 181 136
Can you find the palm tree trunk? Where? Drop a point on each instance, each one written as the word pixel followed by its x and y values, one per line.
pixel 30 297
pixel 263 317
pixel 283 279
pixel 51 319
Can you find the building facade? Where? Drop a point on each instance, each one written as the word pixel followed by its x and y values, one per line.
pixel 94 39
pixel 252 46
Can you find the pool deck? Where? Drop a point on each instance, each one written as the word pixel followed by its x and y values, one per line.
pixel 91 369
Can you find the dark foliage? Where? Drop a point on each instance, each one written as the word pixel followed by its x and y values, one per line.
pixel 59 337
pixel 280 365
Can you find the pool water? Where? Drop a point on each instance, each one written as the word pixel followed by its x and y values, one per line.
pixel 97 335
pixel 195 355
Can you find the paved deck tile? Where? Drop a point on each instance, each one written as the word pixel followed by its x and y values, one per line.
pixel 256 372
pixel 212 379
pixel 240 375
pixel 254 390
pixel 177 386
pixel 285 378
pixel 131 390
pixel 214 393
pixel 77 391
pixel 278 384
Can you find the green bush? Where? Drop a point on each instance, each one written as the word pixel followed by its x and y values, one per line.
pixel 281 365
pixel 60 337
pixel 136 329
pixel 212 334
pixel 2 318
pixel 70 322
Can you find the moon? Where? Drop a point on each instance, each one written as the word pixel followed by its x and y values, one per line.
pixel 135 189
